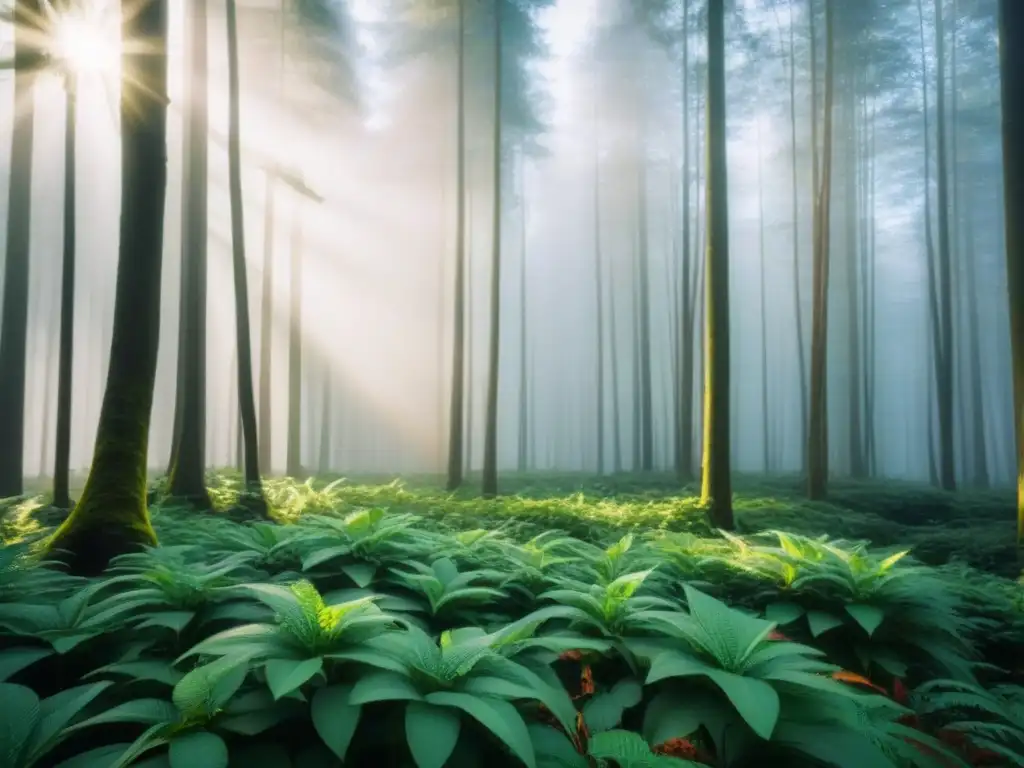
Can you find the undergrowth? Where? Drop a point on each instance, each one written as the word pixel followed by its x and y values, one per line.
pixel 391 624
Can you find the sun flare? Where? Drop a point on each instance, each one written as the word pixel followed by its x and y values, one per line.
pixel 87 44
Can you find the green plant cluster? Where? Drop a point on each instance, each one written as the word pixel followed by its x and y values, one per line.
pixel 379 637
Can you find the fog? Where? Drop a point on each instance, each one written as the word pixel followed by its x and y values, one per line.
pixel 364 114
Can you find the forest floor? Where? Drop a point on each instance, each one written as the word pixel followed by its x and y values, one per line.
pixel 970 526
pixel 301 644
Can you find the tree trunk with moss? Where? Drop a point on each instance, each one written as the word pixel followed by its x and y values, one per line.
pixel 111 517
pixel 187 477
pixel 716 482
pixel 1011 61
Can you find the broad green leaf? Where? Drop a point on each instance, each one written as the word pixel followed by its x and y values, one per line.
pixel 821 622
pixel 554 749
pixel 101 757
pixel 176 620
pixel 285 675
pixel 198 748
pixel 783 613
pixel 627 749
pixel 205 689
pixel 671 715
pixel 755 700
pixel 321 556
pixel 158 671
pixel 13 660
pixel 19 710
pixel 361 573
pixel 431 732
pixel 382 685
pixel 147 711
pixel 57 711
pixel 869 617
pixel 675 664
pixel 334 718
pixel 605 709
pixel 497 716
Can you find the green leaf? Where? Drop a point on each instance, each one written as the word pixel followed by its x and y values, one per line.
pixel 205 689
pixel 147 711
pixel 334 718
pixel 19 710
pixel 755 700
pixel 497 716
pixel 675 664
pixel 158 671
pixel 821 622
pixel 176 620
pixel 605 709
pixel 198 748
pixel 361 573
pixel 101 757
pixel 285 675
pixel 57 711
pixel 671 715
pixel 554 749
pixel 783 613
pixel 432 732
pixel 869 617
pixel 13 660
pixel 382 685
pixel 627 749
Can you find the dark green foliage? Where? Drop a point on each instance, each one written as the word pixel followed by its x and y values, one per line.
pixel 375 625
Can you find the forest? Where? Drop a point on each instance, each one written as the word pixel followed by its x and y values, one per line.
pixel 544 383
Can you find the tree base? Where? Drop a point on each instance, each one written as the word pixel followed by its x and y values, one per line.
pixel 249 506
pixel 87 550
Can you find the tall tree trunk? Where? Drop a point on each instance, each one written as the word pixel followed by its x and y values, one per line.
pixel 14 307
pixel 716 482
pixel 684 429
pixel 188 465
pixel 524 421
pixel 930 265
pixel 766 456
pixel 490 466
pixel 243 334
pixel 944 373
pixel 798 309
pixel 324 449
pixel 817 442
pixel 613 344
pixel 266 328
pixel 598 289
pixel 294 448
pixel 457 411
pixel 1011 65
pixel 979 464
pixel 62 452
pixel 858 468
pixel 111 516
pixel 646 421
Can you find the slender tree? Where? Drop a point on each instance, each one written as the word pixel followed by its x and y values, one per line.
pixel 1011 64
pixel 243 334
pixel 293 462
pixel 490 463
pixel 716 482
pixel 457 409
pixel 62 448
pixel 598 288
pixel 524 421
pixel 188 464
pixel 817 439
pixel 685 340
pixel 111 516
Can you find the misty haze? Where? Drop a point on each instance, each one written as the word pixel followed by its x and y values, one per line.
pixel 511 382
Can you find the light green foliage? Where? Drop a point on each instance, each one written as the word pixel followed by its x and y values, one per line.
pixel 398 635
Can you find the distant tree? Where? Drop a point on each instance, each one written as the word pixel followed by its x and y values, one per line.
pixel 111 516
pixel 253 498
pixel 817 438
pixel 186 479
pixel 716 481
pixel 1011 64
